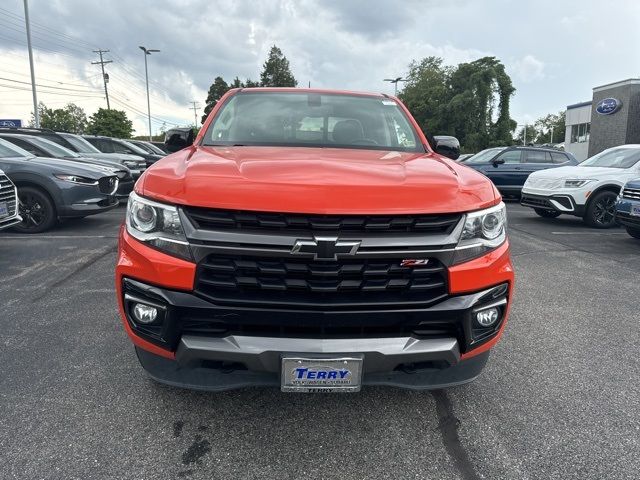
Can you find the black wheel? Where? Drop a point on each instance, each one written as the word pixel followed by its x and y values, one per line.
pixel 546 213
pixel 36 209
pixel 634 232
pixel 601 211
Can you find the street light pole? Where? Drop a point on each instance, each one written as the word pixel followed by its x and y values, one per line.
pixel 395 84
pixel 147 51
pixel 36 114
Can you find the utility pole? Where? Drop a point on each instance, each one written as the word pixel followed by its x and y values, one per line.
pixel 195 109
pixel 36 114
pixel 105 77
pixel 147 52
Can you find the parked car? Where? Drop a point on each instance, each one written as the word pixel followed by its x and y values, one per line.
pixel 41 147
pixel 313 258
pixel 79 145
pixel 50 189
pixel 509 167
pixel 9 213
pixel 628 208
pixel 148 147
pixel 116 145
pixel 588 190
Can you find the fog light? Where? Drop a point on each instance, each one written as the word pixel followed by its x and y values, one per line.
pixel 488 317
pixel 144 313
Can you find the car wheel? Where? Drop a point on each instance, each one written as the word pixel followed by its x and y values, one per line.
pixel 601 211
pixel 546 213
pixel 36 209
pixel 634 232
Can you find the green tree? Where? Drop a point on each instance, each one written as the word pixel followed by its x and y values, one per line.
pixel 276 71
pixel 217 89
pixel 112 123
pixel 540 131
pixel 68 119
pixel 470 101
pixel 425 93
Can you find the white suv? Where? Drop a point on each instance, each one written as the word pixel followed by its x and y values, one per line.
pixel 588 190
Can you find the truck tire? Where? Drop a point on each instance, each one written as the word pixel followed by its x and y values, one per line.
pixel 36 209
pixel 601 210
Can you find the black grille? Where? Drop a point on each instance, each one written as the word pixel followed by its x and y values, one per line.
pixel 304 283
pixel 8 195
pixel 395 326
pixel 631 193
pixel 107 185
pixel 210 219
pixel 533 201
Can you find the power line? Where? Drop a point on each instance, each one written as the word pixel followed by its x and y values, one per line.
pixel 105 77
pixel 49 86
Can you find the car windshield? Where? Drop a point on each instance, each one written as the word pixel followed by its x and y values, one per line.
pixel 313 120
pixel 81 144
pixel 53 148
pixel 153 149
pixel 484 156
pixel 8 150
pixel 133 147
pixel 614 158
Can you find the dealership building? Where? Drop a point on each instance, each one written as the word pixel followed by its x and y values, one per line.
pixel 611 118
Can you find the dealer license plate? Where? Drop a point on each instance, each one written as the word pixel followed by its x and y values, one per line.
pixel 635 210
pixel 319 375
pixel 4 210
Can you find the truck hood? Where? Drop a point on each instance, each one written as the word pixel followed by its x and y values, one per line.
pixel 316 180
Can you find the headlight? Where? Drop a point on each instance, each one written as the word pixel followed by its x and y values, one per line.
pixel 483 231
pixel 575 183
pixel 77 179
pixel 157 225
pixel 130 164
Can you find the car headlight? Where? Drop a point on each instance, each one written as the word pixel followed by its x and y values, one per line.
pixel 130 164
pixel 575 183
pixel 77 179
pixel 483 231
pixel 158 225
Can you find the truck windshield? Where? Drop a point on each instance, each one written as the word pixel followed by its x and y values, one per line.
pixel 313 120
pixel 614 158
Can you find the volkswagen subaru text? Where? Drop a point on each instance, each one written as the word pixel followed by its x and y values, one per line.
pixel 315 241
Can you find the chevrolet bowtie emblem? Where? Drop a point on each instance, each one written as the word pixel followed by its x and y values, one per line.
pixel 325 248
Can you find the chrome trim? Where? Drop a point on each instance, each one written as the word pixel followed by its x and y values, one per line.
pixel 264 353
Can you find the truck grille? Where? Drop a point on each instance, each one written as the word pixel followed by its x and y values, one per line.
pixel 209 219
pixel 316 284
pixel 631 193
pixel 8 195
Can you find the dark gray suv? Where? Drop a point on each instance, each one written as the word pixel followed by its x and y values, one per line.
pixel 51 189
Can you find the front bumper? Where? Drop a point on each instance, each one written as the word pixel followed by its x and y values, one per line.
pixel 202 377
pixel 561 202
pixel 228 349
pixel 623 213
pixel 125 187
pixel 6 222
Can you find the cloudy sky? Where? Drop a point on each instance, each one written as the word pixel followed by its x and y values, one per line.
pixel 555 51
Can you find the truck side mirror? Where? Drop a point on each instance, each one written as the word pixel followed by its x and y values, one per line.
pixel 447 146
pixel 178 138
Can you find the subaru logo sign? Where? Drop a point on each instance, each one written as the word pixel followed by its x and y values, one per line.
pixel 608 106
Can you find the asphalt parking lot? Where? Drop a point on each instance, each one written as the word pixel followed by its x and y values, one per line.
pixel 560 397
